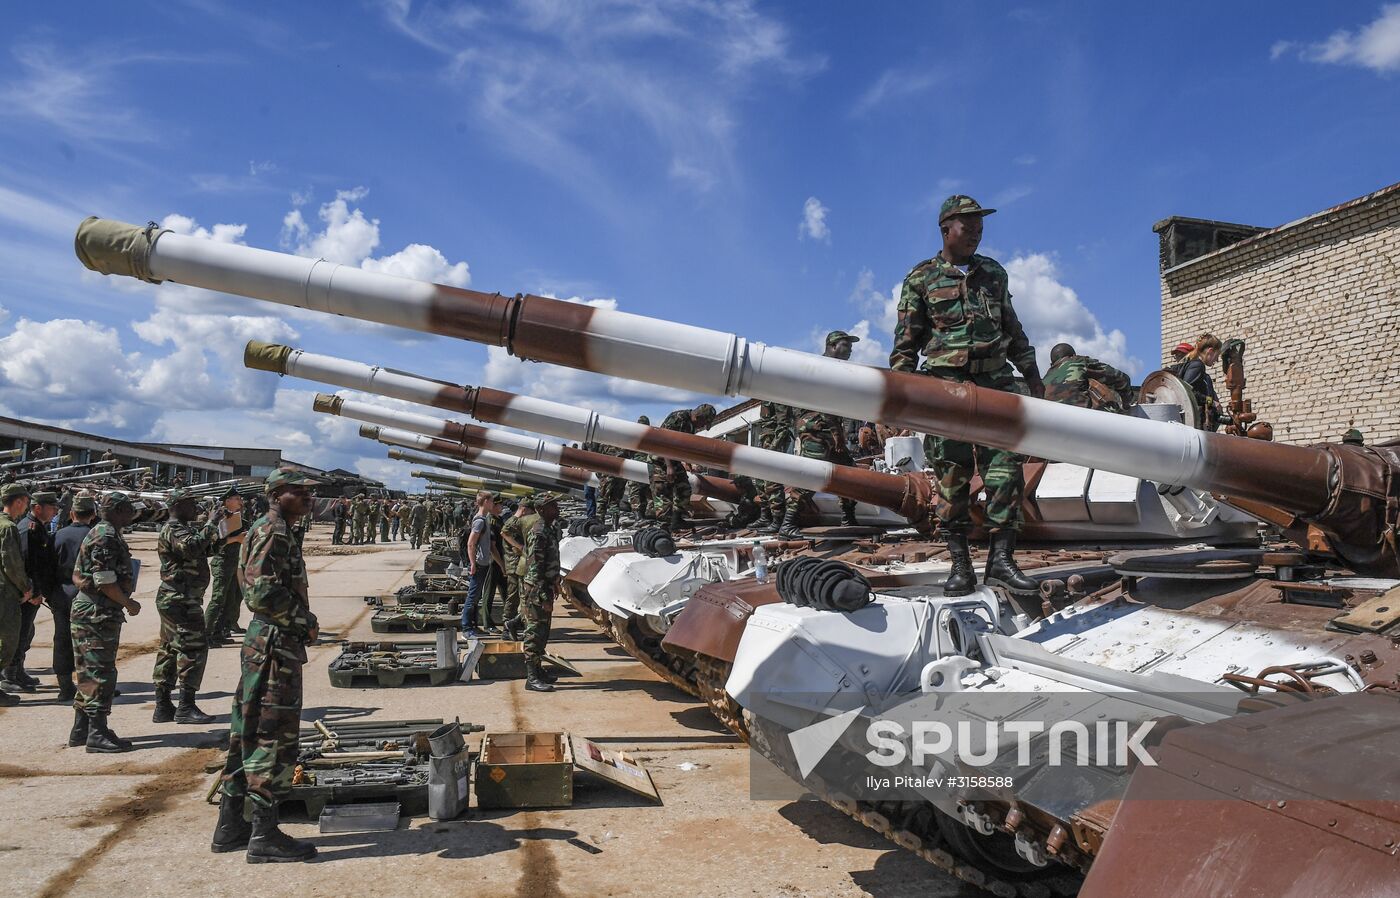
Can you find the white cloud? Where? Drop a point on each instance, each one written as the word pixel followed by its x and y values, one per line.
pixel 1375 46
pixel 813 222
pixel 1025 159
pixel 559 84
pixel 424 263
pixel 893 84
pixel 73 94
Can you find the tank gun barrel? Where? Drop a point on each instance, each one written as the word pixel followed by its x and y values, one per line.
pixel 475 482
pixel 100 475
pixel 473 470
pixel 908 495
pixel 50 472
pixel 511 464
pixel 1332 487
pixel 11 453
pixel 39 463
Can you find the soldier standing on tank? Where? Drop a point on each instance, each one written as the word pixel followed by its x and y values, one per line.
pixel 106 580
pixel 1068 381
pixel 226 598
pixel 184 548
pixel 513 547
pixel 746 506
pixel 955 310
pixel 538 585
pixel 670 482
pixel 266 719
pixel 359 517
pixel 15 587
pixel 638 495
pixel 822 436
pixel 775 423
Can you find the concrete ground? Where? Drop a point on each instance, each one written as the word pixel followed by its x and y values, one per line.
pixel 74 824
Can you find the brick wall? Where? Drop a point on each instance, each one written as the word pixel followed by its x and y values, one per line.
pixel 1317 302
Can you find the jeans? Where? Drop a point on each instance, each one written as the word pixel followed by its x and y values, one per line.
pixel 474 587
pixel 590 502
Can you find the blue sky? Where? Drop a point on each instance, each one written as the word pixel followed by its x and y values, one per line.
pixel 765 168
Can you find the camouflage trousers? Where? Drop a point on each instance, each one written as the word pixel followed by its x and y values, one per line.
pixel 638 497
pixel 266 719
pixel 610 493
pixel 183 649
pixel 512 608
pixel 954 463
pixel 670 492
pixel 97 632
pixel 226 597
pixel 357 530
pixel 772 496
pixel 383 530
pixel 537 606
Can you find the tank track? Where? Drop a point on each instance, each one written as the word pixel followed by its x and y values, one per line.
pixel 710 676
pixel 916 827
pixel 646 648
pixel 586 607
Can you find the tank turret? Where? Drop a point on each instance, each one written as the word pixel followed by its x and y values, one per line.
pixel 1345 493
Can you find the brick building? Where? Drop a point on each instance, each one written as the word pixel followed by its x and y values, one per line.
pixel 1317 302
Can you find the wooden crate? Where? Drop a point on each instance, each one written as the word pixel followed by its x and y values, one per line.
pixel 525 770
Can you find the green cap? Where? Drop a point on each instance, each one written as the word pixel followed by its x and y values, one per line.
pixel 1352 436
pixel 705 410
pixel 958 204
pixel 12 491
pixel 544 499
pixel 837 336
pixel 44 498
pixel 84 503
pixel 178 495
pixel 283 477
pixel 115 499
pixel 529 500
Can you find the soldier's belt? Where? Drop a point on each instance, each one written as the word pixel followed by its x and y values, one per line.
pixel 985 366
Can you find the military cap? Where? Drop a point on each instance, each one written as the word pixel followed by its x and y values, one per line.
pixel 837 336
pixel 286 477
pixel 958 204
pixel 529 500
pixel 544 499
pixel 231 492
pixel 84 503
pixel 11 491
pixel 1352 436
pixel 44 498
pixel 705 410
pixel 643 419
pixel 116 499
pixel 178 495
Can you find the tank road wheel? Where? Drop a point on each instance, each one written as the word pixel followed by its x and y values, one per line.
pixel 995 855
pixel 710 676
pixel 646 648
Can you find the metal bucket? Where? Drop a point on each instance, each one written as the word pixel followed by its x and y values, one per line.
pixel 446 741
pixel 449 789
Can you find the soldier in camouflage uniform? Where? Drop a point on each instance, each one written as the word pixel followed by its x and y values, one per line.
pixel 610 488
pixel 15 586
pixel 746 507
pixel 1070 376
pixel 183 547
pixel 775 432
pixel 538 586
pixel 821 435
pixel 956 310
pixel 105 579
pixel 266 717
pixel 670 483
pixel 359 517
pixel 638 495
pixel 376 519
pixel 226 598
pixel 417 523
pixel 513 546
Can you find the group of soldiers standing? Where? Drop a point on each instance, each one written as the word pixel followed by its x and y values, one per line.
pixel 364 520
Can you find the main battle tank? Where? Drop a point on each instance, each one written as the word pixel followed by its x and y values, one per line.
pixel 1223 644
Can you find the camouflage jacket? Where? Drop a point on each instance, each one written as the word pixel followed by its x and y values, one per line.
pixel 775 426
pixel 821 435
pixel 679 421
pixel 15 581
pixel 273 575
pixel 541 555
pixel 359 510
pixel 1068 379
pixel 417 515
pixel 959 321
pixel 103 558
pixel 184 550
pixel 513 527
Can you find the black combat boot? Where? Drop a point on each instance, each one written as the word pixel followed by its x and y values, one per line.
pixel 188 712
pixel 962 579
pixel 102 741
pixel 232 831
pixel 764 524
pixel 79 734
pixel 677 521
pixel 549 676
pixel 165 709
pixel 511 628
pixel 1001 565
pixel 789 527
pixel 67 690
pixel 237 629
pixel 269 845
pixel 848 514
pixel 533 681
